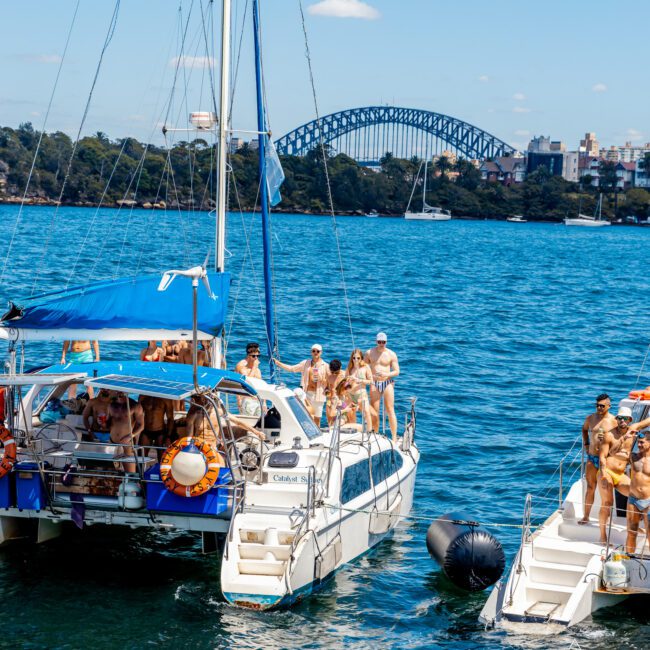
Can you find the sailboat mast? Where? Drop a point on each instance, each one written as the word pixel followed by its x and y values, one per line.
pixel 220 233
pixel 424 191
pixel 264 197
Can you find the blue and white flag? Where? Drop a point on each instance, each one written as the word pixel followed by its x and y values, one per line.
pixel 274 173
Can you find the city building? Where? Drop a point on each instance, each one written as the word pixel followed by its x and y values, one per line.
pixel 641 175
pixel 589 166
pixel 236 144
pixel 626 153
pixel 553 161
pixel 504 169
pixel 625 172
pixel 589 145
pixel 570 168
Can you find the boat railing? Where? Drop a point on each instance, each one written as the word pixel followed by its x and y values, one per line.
pixel 409 426
pixel 333 452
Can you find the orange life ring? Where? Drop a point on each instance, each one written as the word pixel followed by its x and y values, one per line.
pixel 213 460
pixel 9 458
pixel 640 394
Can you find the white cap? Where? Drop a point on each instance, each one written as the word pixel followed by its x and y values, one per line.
pixel 382 337
pixel 624 412
pixel 317 346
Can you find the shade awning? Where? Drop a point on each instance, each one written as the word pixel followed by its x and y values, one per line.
pixel 127 308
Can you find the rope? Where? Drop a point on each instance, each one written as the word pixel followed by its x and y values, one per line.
pixel 460 522
pixel 38 144
pixel 327 177
pixel 636 383
pixel 107 41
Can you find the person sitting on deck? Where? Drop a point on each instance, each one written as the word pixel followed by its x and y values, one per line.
pixel 153 352
pixel 97 410
pixel 202 422
pixel 593 432
pixel 158 422
pixel 185 356
pixel 335 377
pixel 126 422
pixel 614 456
pixel 314 373
pixel 639 499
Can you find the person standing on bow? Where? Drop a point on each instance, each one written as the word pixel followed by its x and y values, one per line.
pixel 385 367
pixel 314 372
pixel 361 376
pixel 593 433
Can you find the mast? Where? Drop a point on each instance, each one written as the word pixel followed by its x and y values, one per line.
pixel 264 198
pixel 424 191
pixel 220 232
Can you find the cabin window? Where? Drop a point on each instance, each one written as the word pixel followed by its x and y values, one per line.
pixel 356 480
pixel 303 417
pixel 385 464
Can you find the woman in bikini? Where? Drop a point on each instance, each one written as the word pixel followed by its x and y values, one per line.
pixel 360 375
pixel 152 352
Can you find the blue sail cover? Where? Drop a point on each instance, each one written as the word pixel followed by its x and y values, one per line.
pixel 126 303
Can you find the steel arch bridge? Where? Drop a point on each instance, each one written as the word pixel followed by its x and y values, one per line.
pixel 367 133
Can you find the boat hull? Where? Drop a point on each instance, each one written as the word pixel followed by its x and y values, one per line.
pixel 426 216
pixel 589 223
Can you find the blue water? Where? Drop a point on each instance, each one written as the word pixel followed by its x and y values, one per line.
pixel 505 333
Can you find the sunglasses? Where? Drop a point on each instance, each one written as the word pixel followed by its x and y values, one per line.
pixel 381 342
pixel 255 356
pixel 315 351
pixel 623 418
pixel 602 406
pixel 357 358
pixel 641 436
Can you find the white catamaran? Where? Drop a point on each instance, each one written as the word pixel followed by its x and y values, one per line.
pixel 286 502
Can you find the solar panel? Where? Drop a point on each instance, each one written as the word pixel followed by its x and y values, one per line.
pixel 163 388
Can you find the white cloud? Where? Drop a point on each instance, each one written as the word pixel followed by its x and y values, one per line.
pixel 634 135
pixel 344 9
pixel 45 58
pixel 519 97
pixel 191 62
pixel 520 109
pixel 484 78
pixel 35 114
pixel 522 132
pixel 599 88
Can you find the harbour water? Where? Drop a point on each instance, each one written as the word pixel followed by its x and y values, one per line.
pixel 505 333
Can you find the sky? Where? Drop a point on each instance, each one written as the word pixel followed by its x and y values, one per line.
pixel 515 69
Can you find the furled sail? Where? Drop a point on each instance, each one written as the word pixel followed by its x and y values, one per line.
pixel 126 309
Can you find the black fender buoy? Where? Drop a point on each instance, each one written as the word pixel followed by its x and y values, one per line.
pixel 470 557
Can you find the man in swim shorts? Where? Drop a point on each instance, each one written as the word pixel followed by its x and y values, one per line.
pixel 639 500
pixel 614 456
pixel 97 410
pixel 125 431
pixel 79 352
pixel 385 367
pixel 593 431
pixel 158 422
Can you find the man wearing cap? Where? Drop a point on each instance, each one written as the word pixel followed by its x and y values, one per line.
pixel 639 500
pixel 385 367
pixel 593 432
pixel 249 367
pixel 314 373
pixel 614 456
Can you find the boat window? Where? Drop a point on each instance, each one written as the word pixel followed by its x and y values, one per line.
pixel 356 480
pixel 303 417
pixel 385 464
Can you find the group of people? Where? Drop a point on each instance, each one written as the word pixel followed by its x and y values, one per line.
pixel 609 442
pixel 329 386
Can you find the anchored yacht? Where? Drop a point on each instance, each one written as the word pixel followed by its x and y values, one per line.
pixel 561 573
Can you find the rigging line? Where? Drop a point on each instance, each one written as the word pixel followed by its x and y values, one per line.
pixel 638 377
pixel 109 37
pixel 38 144
pixel 209 48
pixel 96 213
pixel 327 177
pixel 236 67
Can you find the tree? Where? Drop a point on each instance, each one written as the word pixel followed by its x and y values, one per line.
pixel 645 165
pixel 607 178
pixel 587 180
pixel 443 165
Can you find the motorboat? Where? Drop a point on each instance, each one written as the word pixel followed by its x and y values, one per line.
pixel 516 219
pixel 595 221
pixel 428 212
pixel 562 573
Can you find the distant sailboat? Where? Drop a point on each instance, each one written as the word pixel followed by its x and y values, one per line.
pixel 429 212
pixel 585 220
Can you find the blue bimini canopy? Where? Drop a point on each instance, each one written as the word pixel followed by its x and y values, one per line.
pixel 166 380
pixel 123 309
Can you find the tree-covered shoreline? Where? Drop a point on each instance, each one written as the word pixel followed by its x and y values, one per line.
pixel 182 176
